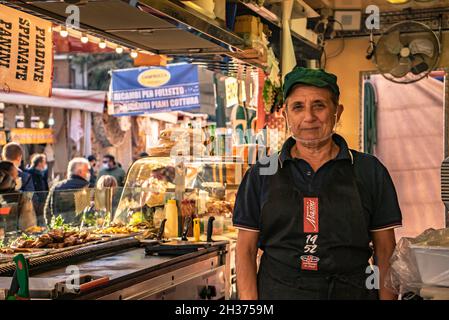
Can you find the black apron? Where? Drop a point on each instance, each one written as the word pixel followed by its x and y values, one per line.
pixel 316 246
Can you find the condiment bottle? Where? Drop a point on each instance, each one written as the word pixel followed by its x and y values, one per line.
pixel 171 214
pixel 196 229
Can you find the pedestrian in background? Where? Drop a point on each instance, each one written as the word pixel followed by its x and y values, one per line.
pixel 39 172
pixel 10 178
pixel 22 209
pixel 62 197
pixel 93 163
pixel 13 152
pixel 111 168
pixel 107 181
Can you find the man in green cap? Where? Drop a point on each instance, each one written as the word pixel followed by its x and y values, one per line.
pixel 319 216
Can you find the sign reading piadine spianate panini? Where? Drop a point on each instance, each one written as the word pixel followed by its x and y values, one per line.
pixel 26 53
pixel 155 89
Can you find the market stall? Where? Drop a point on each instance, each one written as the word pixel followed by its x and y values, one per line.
pixel 168 230
pixel 167 234
pixel 52 124
pixel 202 177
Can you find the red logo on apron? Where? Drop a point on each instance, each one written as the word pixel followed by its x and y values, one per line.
pixel 309 263
pixel 311 224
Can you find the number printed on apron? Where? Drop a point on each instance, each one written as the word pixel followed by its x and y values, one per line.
pixel 309 261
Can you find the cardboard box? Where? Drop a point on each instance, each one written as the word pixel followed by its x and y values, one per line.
pixel 150 60
pixel 248 24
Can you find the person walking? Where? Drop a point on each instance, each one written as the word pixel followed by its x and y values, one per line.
pixel 111 168
pixel 13 152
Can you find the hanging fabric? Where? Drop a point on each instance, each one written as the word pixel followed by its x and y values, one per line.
pixel 87 133
pixel 243 122
pixel 49 152
pixel 76 128
pixel 288 51
pixel 369 121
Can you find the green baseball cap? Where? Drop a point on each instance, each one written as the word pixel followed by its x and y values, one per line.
pixel 313 77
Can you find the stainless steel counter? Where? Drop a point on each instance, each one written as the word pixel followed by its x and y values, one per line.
pixel 133 275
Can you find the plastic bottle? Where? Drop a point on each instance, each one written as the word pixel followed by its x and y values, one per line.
pixel 202 200
pixel 171 213
pixel 196 229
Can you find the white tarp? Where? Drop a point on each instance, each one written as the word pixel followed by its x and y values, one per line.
pixel 86 100
pixel 410 143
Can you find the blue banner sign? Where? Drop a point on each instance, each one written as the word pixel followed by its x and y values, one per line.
pixel 155 89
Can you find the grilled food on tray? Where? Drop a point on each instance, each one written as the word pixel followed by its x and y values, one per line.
pixel 137 224
pixel 147 235
pixel 143 225
pixel 56 239
pixel 117 228
pixel 35 229
pixel 15 250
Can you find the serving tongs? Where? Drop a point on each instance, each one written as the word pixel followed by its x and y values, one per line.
pixel 183 245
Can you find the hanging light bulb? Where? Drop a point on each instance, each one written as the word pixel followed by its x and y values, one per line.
pixel 133 54
pixel 64 33
pixel 51 119
pixel 102 44
pixel 398 1
pixel 119 50
pixel 84 38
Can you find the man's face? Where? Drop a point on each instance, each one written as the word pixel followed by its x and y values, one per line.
pixel 107 163
pixel 93 163
pixel 42 165
pixel 311 112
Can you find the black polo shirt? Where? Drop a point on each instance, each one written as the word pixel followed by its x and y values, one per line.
pixel 376 188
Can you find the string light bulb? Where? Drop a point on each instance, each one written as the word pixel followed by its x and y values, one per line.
pixel 64 33
pixel 84 38
pixel 133 54
pixel 51 119
pixel 119 50
pixel 102 44
pixel 398 1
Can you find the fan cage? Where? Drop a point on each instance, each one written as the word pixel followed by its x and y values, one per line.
pixel 410 77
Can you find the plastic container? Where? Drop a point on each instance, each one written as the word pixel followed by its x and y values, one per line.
pixel 433 264
pixel 228 225
pixel 202 199
pixel 171 214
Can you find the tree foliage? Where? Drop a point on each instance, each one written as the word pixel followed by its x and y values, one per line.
pixel 99 67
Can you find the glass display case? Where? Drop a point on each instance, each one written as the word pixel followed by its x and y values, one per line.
pixel 33 222
pixel 36 223
pixel 202 187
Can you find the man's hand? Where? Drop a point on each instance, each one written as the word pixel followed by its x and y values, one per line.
pixel 246 265
pixel 384 244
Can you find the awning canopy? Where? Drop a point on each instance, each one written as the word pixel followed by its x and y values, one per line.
pixel 86 100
